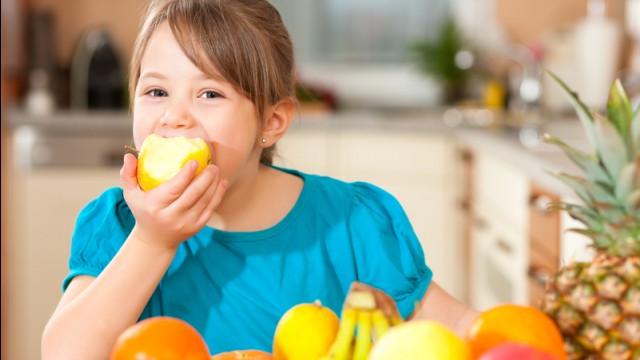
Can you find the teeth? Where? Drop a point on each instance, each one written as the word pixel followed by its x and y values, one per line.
pixel 367 315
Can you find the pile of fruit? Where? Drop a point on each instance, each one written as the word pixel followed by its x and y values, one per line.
pixel 370 328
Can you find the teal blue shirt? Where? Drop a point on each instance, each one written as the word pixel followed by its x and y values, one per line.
pixel 233 287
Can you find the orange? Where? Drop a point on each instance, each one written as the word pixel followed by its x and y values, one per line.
pixel 160 338
pixel 243 355
pixel 305 331
pixel 515 324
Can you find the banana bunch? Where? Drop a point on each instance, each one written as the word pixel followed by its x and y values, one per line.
pixel 367 314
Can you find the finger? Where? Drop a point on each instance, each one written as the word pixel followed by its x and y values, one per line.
pixel 176 186
pixel 199 193
pixel 219 190
pixel 128 173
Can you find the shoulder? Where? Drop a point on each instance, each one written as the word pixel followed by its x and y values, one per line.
pixel 109 210
pixel 352 192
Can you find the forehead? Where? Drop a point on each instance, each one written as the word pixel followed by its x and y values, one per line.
pixel 166 48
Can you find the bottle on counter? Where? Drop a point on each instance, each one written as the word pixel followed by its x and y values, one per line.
pixel 39 100
pixel 598 53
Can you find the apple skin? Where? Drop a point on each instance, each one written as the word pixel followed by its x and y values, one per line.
pixel 160 159
pixel 510 351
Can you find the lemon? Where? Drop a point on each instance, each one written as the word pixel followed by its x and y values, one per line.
pixel 160 159
pixel 306 331
pixel 420 339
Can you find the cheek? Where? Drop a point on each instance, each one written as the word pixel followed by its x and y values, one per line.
pixel 143 125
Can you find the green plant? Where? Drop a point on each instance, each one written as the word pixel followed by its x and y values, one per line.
pixel 438 58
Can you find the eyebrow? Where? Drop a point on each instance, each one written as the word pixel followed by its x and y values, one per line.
pixel 153 75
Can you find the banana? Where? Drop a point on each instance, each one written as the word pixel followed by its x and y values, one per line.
pixel 380 323
pixel 396 320
pixel 341 348
pixel 367 314
pixel 363 337
pixel 361 299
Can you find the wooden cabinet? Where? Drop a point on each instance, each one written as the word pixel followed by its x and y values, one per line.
pixel 418 168
pixel 544 242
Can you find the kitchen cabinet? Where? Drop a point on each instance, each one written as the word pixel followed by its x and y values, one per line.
pixel 544 241
pixel 499 228
pixel 419 168
pixel 43 208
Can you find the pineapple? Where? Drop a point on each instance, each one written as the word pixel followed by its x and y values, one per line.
pixel 596 304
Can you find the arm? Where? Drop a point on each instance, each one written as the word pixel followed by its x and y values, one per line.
pixel 94 311
pixel 438 305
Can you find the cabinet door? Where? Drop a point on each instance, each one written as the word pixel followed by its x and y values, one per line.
pixel 544 242
pixel 419 170
pixel 44 206
pixel 500 198
pixel 307 150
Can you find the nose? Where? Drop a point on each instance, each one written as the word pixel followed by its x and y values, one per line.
pixel 177 116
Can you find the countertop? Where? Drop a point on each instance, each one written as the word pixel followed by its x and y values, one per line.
pixel 535 159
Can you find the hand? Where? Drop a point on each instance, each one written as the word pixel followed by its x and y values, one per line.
pixel 176 210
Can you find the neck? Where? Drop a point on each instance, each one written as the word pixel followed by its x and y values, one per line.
pixel 257 201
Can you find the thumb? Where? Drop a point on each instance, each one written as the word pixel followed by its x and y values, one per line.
pixel 128 173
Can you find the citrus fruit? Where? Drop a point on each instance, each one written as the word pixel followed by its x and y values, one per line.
pixel 243 355
pixel 516 324
pixel 420 339
pixel 305 331
pixel 160 338
pixel 510 351
pixel 160 159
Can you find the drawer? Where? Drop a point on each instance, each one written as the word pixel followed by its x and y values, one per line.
pixel 544 223
pixel 501 189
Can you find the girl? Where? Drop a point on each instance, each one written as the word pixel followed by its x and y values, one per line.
pixel 231 249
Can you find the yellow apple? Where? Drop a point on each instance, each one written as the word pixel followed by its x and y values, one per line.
pixel 160 159
pixel 420 339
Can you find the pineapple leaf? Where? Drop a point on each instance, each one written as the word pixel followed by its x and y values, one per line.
pixel 591 193
pixel 589 217
pixel 587 163
pixel 581 109
pixel 628 180
pixel 610 146
pixel 619 109
pixel 600 240
pixel 634 132
pixel 577 184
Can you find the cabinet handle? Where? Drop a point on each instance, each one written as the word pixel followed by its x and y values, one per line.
pixel 504 246
pixel 539 274
pixel 542 203
pixel 479 222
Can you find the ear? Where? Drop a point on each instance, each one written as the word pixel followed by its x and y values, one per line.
pixel 279 118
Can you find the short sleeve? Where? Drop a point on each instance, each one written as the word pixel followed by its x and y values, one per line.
pixel 388 253
pixel 101 228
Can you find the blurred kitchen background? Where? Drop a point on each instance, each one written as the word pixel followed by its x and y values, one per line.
pixel 441 102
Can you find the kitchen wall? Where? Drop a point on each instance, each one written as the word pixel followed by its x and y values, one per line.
pixel 74 17
pixel 527 22
pixel 524 21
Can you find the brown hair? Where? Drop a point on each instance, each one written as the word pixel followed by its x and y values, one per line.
pixel 244 40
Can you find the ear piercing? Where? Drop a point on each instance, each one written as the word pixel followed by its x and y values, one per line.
pixel 264 140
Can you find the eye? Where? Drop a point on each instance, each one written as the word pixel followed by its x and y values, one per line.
pixel 210 94
pixel 157 93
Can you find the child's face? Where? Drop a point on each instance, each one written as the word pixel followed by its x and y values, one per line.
pixel 173 98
